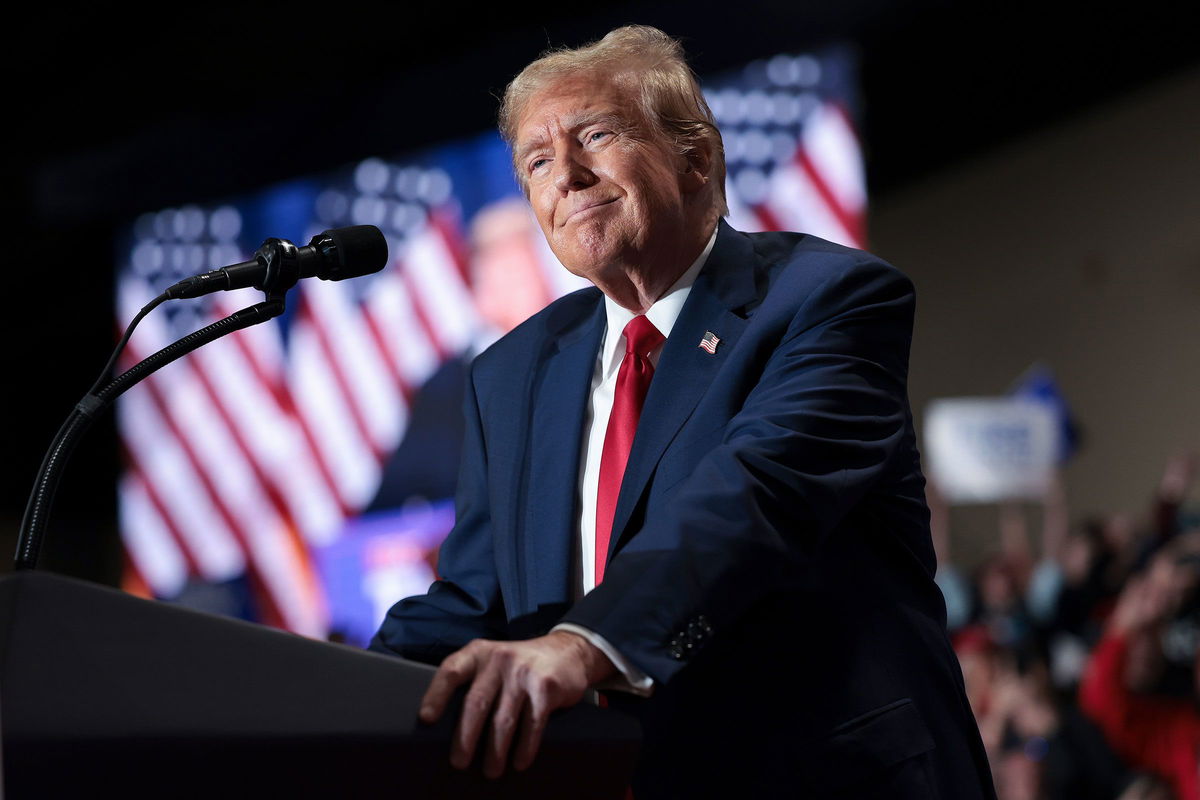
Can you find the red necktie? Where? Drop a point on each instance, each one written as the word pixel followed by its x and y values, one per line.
pixel 633 381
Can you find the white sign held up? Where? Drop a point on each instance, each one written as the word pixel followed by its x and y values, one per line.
pixel 988 449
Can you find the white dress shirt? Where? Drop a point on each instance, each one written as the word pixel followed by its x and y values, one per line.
pixel 662 314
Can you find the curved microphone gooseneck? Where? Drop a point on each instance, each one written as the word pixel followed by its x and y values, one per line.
pixel 277 266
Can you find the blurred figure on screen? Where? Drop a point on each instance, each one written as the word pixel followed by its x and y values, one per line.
pixel 507 280
pixel 507 287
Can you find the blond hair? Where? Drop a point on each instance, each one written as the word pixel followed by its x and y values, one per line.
pixel 667 92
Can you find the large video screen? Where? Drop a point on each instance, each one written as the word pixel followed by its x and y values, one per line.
pixel 301 473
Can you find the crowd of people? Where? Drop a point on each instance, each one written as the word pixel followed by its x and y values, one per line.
pixel 1079 655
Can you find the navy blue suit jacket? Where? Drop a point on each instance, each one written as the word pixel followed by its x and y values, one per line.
pixel 771 566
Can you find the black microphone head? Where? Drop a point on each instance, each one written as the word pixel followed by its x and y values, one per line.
pixel 350 252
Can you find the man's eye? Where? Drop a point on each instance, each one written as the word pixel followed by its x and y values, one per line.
pixel 597 136
pixel 536 163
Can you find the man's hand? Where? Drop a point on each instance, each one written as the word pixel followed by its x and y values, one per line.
pixel 512 682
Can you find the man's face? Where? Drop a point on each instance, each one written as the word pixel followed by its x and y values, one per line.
pixel 605 191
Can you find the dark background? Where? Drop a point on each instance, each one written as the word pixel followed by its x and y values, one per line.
pixel 110 115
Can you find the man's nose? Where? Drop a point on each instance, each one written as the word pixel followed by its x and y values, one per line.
pixel 572 174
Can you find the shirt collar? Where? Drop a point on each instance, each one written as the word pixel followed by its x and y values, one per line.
pixel 663 313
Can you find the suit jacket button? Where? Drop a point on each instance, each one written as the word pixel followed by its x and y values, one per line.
pixel 675 648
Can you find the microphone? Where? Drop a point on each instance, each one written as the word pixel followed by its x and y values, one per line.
pixel 332 255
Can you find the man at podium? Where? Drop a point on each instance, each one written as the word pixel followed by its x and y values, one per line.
pixel 695 486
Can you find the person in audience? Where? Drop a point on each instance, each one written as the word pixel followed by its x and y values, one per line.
pixel 1119 595
pixel 1160 734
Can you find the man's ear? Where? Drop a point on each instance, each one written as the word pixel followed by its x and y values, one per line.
pixel 697 166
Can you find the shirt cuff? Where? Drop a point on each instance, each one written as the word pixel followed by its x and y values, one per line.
pixel 632 679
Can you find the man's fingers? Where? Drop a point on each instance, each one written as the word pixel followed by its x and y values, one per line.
pixel 505 720
pixel 533 724
pixel 476 707
pixel 456 670
pixel 522 681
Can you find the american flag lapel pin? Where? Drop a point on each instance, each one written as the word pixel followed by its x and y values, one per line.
pixel 709 343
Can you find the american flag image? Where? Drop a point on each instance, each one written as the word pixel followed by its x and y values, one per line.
pixel 793 157
pixel 709 342
pixel 248 464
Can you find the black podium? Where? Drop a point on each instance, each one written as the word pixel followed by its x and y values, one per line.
pixel 104 693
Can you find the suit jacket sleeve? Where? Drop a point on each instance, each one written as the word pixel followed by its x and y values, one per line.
pixel 814 436
pixel 464 603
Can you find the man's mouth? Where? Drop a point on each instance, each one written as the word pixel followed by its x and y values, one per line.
pixel 588 208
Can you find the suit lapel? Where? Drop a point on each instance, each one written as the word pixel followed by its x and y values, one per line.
pixel 559 396
pixel 685 370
